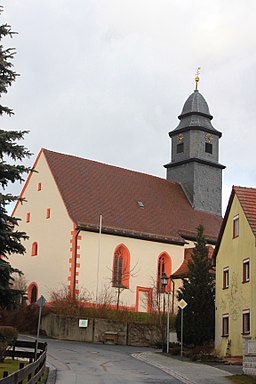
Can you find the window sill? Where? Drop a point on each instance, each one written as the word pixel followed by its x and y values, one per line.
pixel 225 287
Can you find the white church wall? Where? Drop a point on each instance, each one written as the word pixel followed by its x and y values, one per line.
pixel 143 263
pixel 49 268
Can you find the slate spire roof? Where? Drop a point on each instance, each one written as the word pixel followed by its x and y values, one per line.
pixel 195 115
pixel 132 204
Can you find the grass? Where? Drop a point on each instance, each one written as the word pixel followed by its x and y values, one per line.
pixel 12 366
pixel 242 379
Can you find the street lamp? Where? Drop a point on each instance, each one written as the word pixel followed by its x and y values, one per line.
pixel 164 282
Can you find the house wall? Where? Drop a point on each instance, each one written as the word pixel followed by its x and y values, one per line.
pixel 50 267
pixel 238 296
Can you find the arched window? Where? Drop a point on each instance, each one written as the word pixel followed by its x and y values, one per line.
pixel 121 267
pixel 34 249
pixel 164 265
pixel 32 293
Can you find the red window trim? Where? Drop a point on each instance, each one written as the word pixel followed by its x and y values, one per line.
pixel 150 297
pixel 34 251
pixel 28 217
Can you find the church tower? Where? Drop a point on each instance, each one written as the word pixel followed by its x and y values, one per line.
pixel 195 155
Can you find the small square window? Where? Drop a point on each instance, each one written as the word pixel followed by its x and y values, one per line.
pixel 225 325
pixel 236 226
pixel 246 321
pixel 39 186
pixel 180 148
pixel 208 148
pixel 225 278
pixel 246 270
pixel 28 217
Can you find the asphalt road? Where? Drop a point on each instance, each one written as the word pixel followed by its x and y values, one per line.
pixel 81 363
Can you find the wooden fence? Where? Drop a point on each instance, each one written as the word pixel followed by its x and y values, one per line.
pixel 32 371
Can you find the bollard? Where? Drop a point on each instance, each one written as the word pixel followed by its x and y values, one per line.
pixel 5 374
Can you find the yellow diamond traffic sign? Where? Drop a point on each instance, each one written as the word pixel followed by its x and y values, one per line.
pixel 182 304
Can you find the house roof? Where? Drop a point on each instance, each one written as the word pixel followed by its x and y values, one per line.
pixel 247 199
pixel 183 270
pixel 131 203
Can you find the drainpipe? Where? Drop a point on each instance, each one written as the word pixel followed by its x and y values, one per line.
pixel 75 261
pixel 173 295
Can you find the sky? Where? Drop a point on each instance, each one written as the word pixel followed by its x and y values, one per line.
pixel 107 79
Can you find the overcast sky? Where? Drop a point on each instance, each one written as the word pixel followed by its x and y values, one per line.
pixel 106 79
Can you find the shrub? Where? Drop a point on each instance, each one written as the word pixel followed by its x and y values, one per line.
pixel 8 336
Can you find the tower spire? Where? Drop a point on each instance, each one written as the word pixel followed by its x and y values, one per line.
pixel 197 77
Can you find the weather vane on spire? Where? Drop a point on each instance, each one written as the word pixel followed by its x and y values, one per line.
pixel 197 77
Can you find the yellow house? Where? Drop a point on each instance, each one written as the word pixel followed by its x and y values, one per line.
pixel 235 257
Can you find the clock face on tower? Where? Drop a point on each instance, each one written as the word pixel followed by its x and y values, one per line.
pixel 208 138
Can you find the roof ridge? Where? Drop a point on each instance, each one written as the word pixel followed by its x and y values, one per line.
pixel 45 150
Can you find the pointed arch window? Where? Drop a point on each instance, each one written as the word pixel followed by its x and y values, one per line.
pixel 121 267
pixel 32 293
pixel 164 265
pixel 34 249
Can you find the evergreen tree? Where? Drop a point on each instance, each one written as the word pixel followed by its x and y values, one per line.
pixel 198 291
pixel 11 170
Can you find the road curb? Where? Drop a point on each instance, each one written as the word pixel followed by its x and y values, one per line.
pixel 143 357
pixel 52 374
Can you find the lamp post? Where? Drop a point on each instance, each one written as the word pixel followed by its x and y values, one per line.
pixel 164 282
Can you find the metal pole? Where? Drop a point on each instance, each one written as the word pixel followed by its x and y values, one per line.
pixel 98 261
pixel 38 329
pixel 168 325
pixel 181 334
pixel 163 325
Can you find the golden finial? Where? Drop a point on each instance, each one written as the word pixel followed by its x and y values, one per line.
pixel 197 77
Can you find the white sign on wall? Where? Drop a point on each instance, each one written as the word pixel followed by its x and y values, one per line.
pixel 83 323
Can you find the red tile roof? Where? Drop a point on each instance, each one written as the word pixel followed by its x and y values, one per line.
pixel 247 199
pixel 90 189
pixel 183 270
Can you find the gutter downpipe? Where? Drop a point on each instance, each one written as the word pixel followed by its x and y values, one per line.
pixel 78 229
pixel 99 256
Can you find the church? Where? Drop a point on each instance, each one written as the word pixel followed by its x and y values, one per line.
pixel 108 232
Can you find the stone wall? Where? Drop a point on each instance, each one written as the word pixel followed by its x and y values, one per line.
pixel 101 330
pixel 249 356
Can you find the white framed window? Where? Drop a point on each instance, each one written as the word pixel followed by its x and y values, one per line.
pixel 246 321
pixel 246 270
pixel 225 278
pixel 236 226
pixel 225 325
